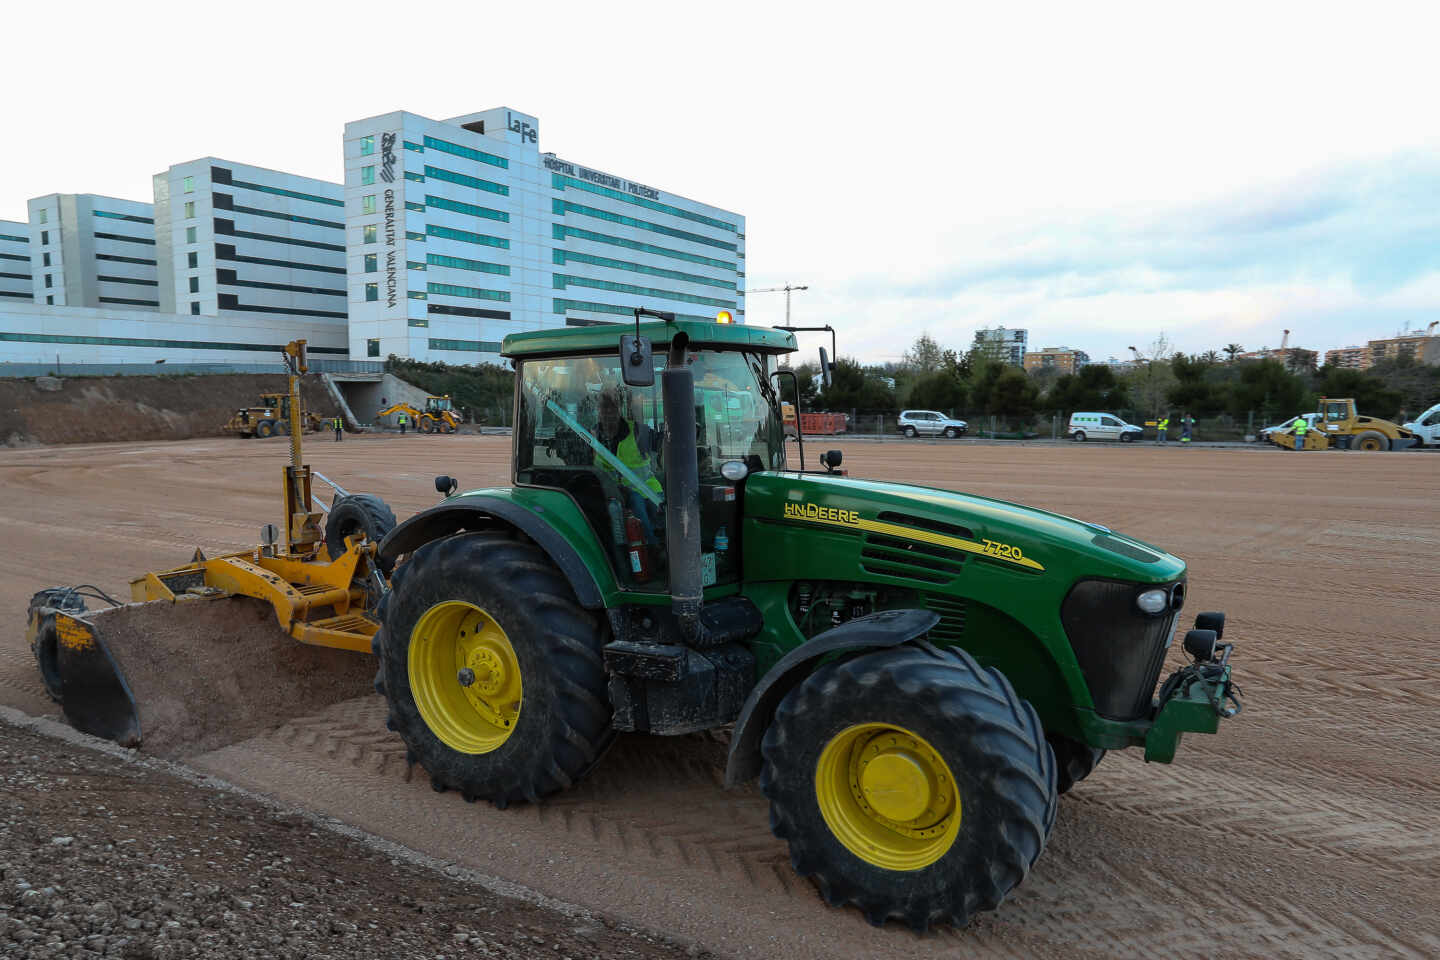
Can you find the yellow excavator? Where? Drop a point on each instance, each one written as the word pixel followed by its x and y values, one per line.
pixel 1340 426
pixel 323 581
pixel 437 417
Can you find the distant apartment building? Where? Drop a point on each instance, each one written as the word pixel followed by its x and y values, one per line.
pixel 461 231
pixel 1350 358
pixel 1060 359
pixel 1420 347
pixel 1005 344
pixel 1117 365
pixel 233 239
pixel 93 251
pixel 16 284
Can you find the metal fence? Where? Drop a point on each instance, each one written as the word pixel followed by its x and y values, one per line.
pixel 316 365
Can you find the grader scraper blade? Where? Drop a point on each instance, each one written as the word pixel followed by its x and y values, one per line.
pixel 81 673
pixel 186 677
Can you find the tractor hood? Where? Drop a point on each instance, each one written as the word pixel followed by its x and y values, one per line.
pixel 1000 536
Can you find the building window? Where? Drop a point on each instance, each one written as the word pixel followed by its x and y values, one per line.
pixel 189 209
pixel 50 301
pixel 412 235
pixel 367 174
pixel 372 348
pixel 417 295
pixel 195 307
pixel 412 205
pixel 414 265
pixel 367 147
pixel 190 234
pixel 194 284
pixel 189 183
pixel 419 321
pixel 47 280
pixel 47 260
pixel 372 263
pixel 192 259
pixel 44 236
pixel 370 232
pixel 372 293
pixel 367 204
pixel 44 215
pixel 411 175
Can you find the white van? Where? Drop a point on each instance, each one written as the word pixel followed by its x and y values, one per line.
pixel 1101 426
pixel 1426 427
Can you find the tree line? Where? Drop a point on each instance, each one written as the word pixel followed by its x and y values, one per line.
pixel 1162 382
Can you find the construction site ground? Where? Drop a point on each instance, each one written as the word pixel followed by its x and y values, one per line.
pixel 1307 827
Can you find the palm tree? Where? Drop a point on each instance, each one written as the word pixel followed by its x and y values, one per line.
pixel 1210 356
pixel 1231 349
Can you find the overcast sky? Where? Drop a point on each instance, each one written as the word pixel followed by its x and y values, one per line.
pixel 1094 172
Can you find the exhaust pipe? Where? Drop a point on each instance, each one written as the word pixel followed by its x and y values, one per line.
pixel 682 489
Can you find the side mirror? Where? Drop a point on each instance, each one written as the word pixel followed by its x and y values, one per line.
pixel 825 368
pixel 445 485
pixel 635 361
pixel 830 459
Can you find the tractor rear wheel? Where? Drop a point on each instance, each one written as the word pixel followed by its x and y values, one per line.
pixel 1370 440
pixel 1074 761
pixel 359 513
pixel 492 670
pixel 427 424
pixel 912 783
pixel 264 429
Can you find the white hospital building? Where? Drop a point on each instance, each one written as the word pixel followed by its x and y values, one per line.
pixel 461 231
pixel 445 236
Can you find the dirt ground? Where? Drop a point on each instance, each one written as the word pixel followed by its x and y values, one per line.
pixel 1307 827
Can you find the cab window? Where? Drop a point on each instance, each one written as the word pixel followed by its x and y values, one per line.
pixel 581 429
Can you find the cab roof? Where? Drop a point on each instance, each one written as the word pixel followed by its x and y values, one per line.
pixel 606 337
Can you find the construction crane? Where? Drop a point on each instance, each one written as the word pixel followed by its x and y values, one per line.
pixel 786 290
pixel 1285 340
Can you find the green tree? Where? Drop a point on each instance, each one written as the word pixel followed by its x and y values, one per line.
pixel 1268 389
pixel 1095 387
pixel 853 388
pixel 808 376
pixel 1012 394
pixel 1193 391
pixel 1232 350
pixel 924 355
pixel 482 393
pixel 1372 396
pixel 941 390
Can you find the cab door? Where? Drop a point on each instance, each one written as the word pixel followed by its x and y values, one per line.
pixel 1110 428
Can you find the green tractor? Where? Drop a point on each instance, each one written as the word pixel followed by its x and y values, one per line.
pixel 913 674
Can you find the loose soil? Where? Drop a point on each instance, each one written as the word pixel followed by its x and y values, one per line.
pixel 100 409
pixel 1305 828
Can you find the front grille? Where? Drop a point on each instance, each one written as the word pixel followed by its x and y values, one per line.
pixel 909 559
pixel 1120 650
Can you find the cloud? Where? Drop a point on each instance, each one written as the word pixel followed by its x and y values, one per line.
pixel 1337 255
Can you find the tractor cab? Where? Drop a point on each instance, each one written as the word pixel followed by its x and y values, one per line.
pixel 438 405
pixel 583 429
pixel 279 403
pixel 1337 414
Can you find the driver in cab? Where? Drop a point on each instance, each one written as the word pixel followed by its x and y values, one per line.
pixel 631 446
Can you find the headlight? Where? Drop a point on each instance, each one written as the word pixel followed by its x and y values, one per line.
pixel 1153 601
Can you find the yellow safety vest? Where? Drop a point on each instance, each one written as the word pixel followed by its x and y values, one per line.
pixel 1165 424
pixel 1301 426
pixel 628 453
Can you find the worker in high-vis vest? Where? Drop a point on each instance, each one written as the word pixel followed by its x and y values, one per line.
pixel 622 438
pixel 1301 428
pixel 1162 429
pixel 1187 427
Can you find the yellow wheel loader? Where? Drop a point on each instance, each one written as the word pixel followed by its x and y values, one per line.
pixel 319 573
pixel 270 417
pixel 1339 426
pixel 437 417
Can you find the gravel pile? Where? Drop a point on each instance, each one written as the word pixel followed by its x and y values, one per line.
pixel 102 856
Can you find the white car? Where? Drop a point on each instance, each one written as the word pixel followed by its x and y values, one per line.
pixel 1426 427
pixel 928 423
pixel 1267 435
pixel 1102 426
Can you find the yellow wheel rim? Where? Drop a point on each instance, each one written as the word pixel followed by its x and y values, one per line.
pixel 464 677
pixel 887 795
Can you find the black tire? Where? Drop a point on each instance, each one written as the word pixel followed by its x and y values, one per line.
pixel 445 427
pixel 1078 436
pixel 1127 438
pixel 359 513
pixel 990 739
pixel 426 424
pixel 1370 440
pixel 563 725
pixel 908 430
pixel 951 433
pixel 265 429
pixel 1074 761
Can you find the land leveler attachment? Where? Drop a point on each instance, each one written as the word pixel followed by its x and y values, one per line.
pixel 322 581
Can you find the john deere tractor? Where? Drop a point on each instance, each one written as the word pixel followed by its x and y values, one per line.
pixel 913 674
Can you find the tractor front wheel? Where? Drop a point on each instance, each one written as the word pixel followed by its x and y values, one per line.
pixel 492 670
pixel 427 424
pixel 358 513
pixel 912 783
pixel 265 429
